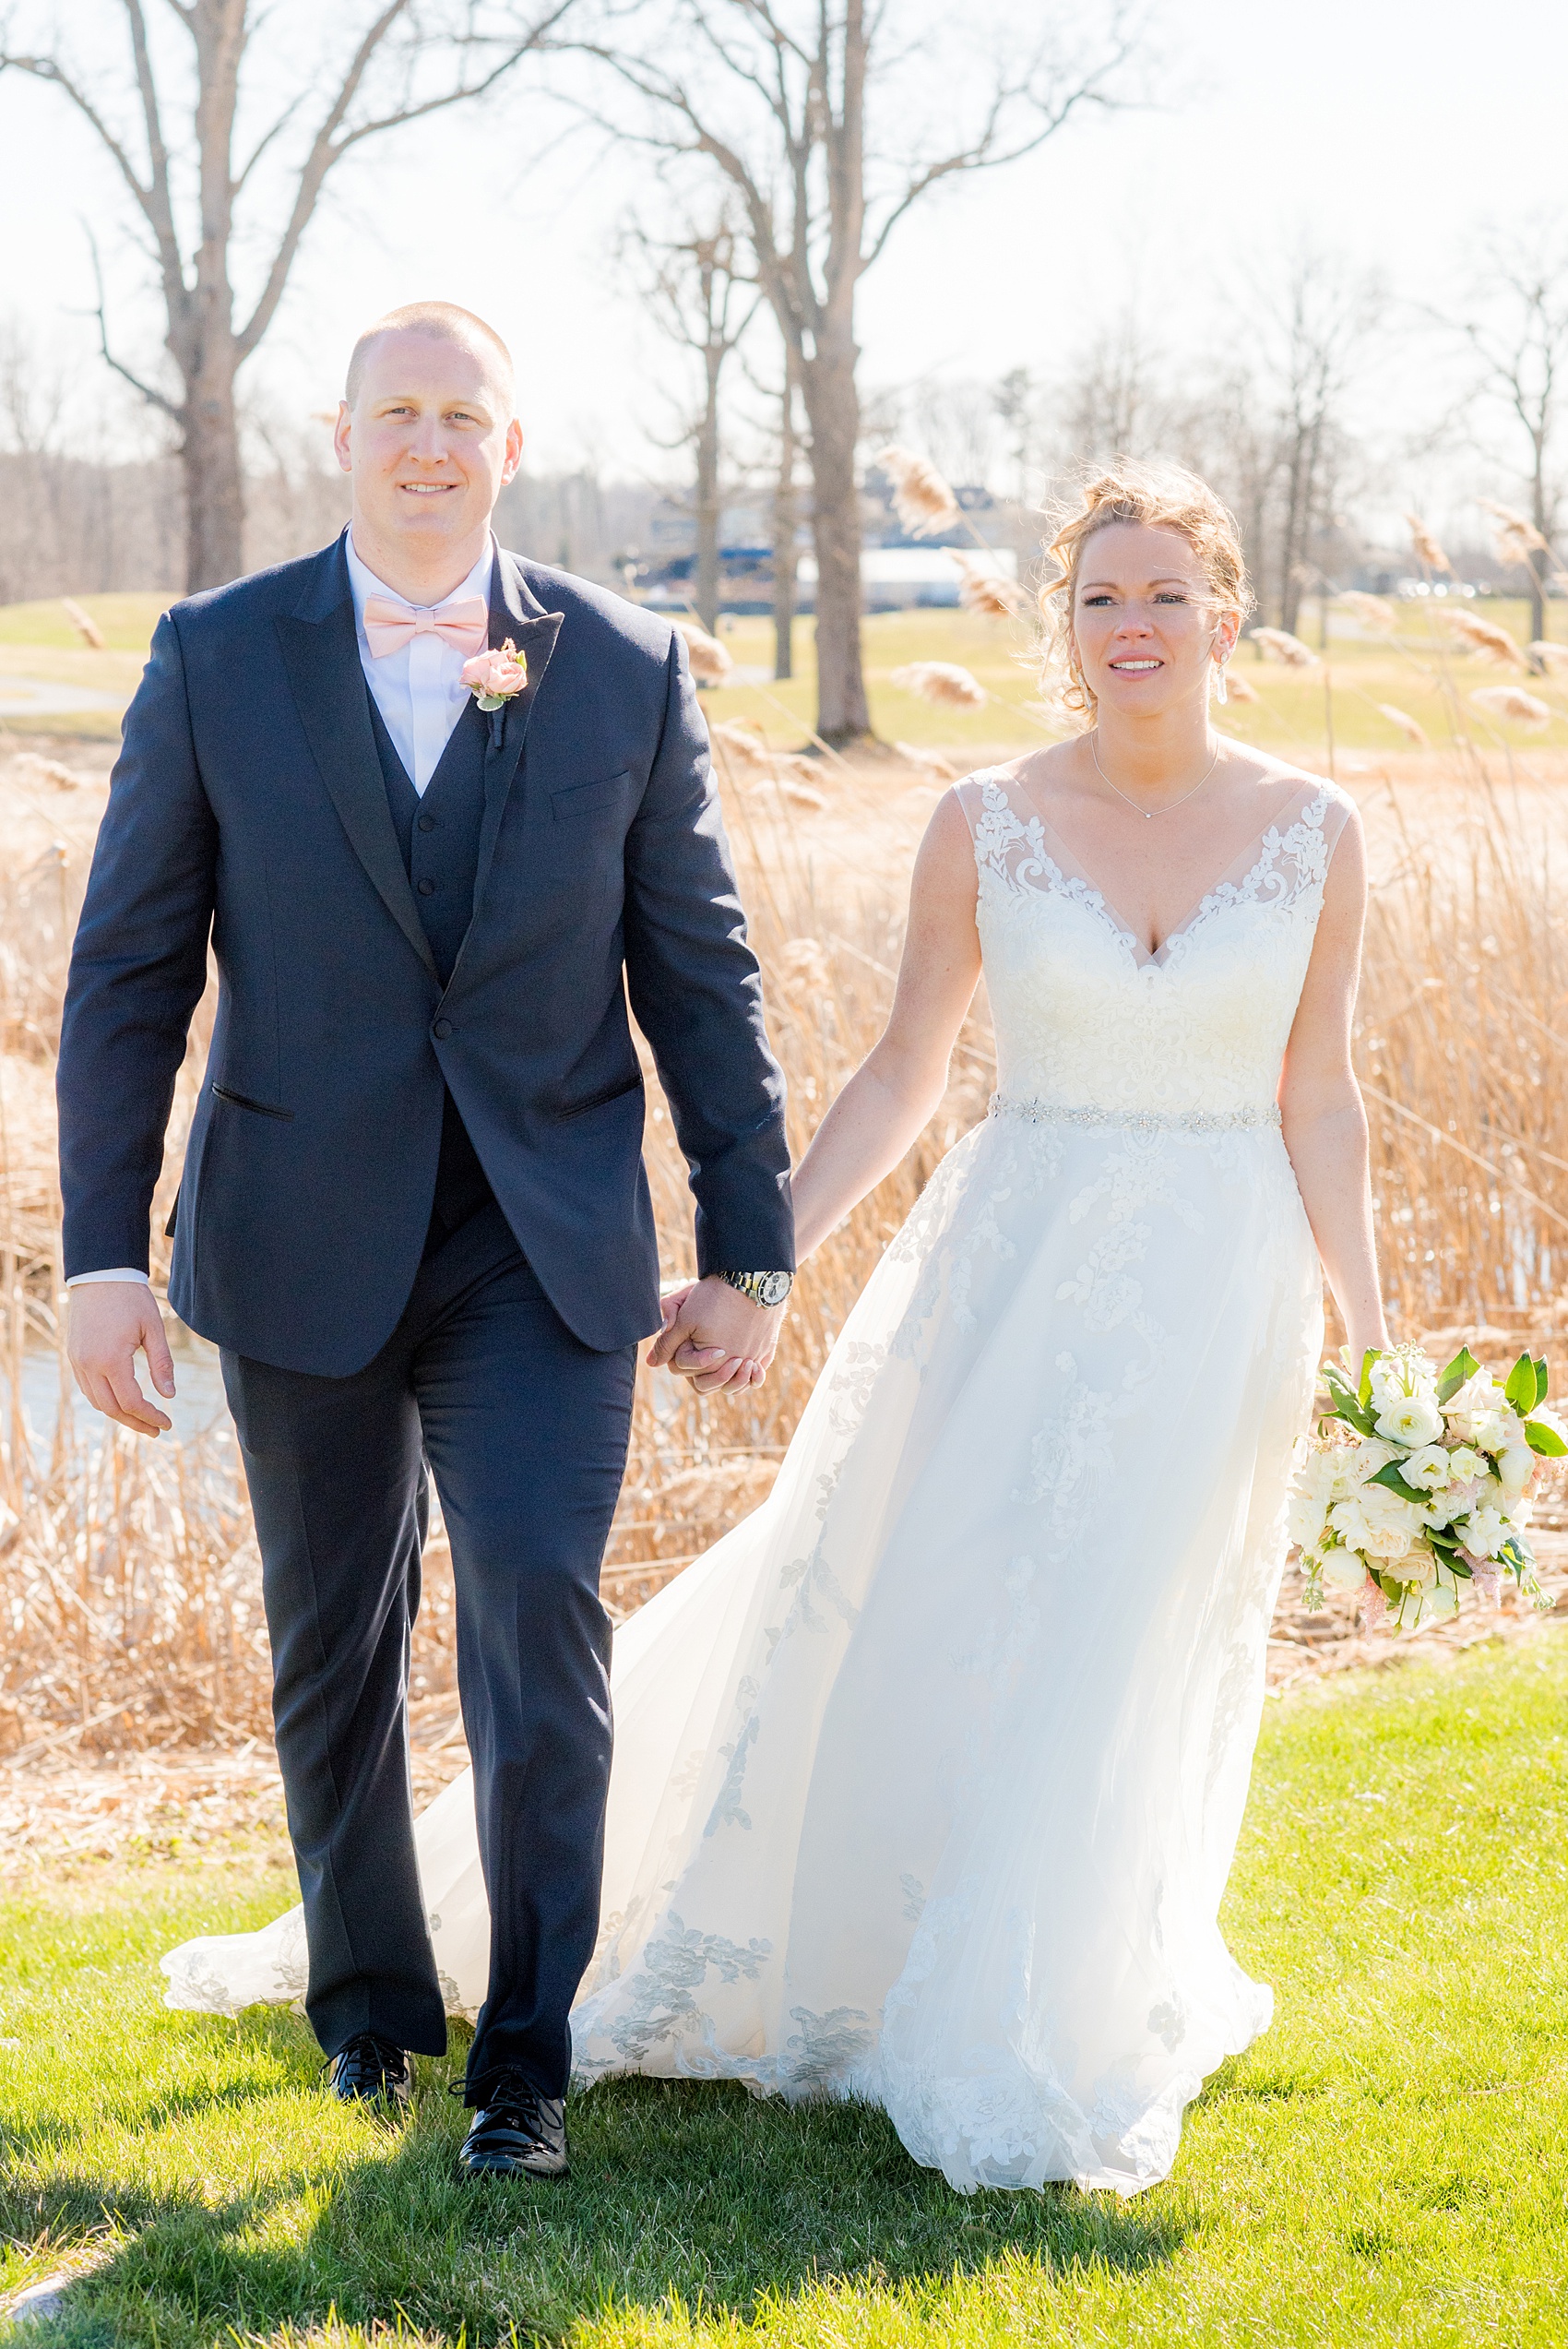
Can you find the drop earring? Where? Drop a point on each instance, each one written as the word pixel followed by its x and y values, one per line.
pixel 1221 691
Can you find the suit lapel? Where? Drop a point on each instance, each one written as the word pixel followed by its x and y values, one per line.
pixel 515 611
pixel 321 653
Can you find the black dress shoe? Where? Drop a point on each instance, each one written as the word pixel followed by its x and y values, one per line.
pixel 372 2071
pixel 520 2133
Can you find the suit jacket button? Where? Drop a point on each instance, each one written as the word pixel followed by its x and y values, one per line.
pixel 427 823
pixel 442 1030
pixel 427 887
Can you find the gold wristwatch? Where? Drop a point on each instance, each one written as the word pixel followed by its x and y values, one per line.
pixel 767 1289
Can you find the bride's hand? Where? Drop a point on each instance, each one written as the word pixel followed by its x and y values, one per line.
pixel 703 1322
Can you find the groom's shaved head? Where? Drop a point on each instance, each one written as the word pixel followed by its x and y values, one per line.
pixel 441 322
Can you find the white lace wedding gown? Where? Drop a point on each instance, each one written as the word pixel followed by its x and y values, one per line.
pixel 928 1777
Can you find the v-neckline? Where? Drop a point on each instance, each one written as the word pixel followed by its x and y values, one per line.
pixel 1142 956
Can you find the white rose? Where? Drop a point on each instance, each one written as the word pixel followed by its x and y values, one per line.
pixel 1416 1421
pixel 1489 1430
pixel 1417 1569
pixel 1437 1603
pixel 1354 1463
pixel 1305 1516
pixel 1485 1532
pixel 1464 1465
pixel 1345 1569
pixel 1516 1466
pixel 1377 1522
pixel 1428 1467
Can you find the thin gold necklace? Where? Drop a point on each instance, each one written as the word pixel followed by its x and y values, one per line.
pixel 1149 814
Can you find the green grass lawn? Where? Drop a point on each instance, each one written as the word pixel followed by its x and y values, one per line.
pixel 1416 671
pixel 1388 2167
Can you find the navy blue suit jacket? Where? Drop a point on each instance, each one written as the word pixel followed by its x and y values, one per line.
pixel 248 807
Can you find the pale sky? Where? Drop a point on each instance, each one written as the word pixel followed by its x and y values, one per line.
pixel 1390 130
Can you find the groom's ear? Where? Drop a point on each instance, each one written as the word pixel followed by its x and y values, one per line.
pixel 514 456
pixel 340 431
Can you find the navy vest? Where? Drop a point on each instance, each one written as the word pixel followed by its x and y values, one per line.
pixel 439 836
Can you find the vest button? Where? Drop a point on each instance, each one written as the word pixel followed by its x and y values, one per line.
pixel 427 887
pixel 442 1030
pixel 427 823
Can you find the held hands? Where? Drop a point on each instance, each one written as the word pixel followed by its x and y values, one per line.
pixel 107 1324
pixel 716 1337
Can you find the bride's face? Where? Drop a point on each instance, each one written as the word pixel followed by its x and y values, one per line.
pixel 1145 624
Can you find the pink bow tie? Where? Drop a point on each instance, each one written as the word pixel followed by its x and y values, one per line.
pixel 389 625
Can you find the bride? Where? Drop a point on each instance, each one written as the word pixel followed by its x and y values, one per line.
pixel 928 1777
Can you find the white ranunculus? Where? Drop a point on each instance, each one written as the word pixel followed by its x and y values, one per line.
pixel 1343 1569
pixel 1414 1420
pixel 1516 1466
pixel 1486 1531
pixel 1428 1467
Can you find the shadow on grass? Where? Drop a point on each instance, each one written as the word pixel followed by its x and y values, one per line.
pixel 692 2188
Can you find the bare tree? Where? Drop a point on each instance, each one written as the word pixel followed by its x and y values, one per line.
pixel 171 125
pixel 809 111
pixel 786 519
pixel 1518 336
pixel 697 289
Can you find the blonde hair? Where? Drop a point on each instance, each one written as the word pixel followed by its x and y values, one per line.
pixel 444 322
pixel 1161 496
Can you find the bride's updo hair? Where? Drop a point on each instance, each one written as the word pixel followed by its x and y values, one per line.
pixel 1164 496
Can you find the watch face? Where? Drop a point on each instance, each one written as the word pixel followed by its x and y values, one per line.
pixel 773 1288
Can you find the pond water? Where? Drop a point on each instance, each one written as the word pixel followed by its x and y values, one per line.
pixel 199 1403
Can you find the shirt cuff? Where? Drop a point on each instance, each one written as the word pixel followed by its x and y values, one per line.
pixel 122 1272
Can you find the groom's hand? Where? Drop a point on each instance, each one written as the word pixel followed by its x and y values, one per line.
pixel 107 1324
pixel 716 1337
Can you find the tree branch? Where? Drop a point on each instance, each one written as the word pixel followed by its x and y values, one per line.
pixel 155 398
pixel 331 142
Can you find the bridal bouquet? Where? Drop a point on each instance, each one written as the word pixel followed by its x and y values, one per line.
pixel 1420 1479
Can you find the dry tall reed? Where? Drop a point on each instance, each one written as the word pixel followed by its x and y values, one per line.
pixel 128 1587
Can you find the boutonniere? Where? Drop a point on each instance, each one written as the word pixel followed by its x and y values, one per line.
pixel 496 676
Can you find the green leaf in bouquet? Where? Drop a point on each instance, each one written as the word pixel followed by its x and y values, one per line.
pixel 1464 1366
pixel 1363 1391
pixel 1520 1387
pixel 1543 1381
pixel 1390 1478
pixel 1544 1439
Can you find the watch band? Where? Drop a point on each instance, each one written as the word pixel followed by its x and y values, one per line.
pixel 765 1289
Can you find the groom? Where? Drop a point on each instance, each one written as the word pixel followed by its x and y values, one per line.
pixel 413 1213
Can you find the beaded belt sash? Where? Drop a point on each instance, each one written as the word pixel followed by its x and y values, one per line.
pixel 1146 1121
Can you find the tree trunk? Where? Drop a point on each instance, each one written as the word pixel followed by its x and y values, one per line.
pixel 828 383
pixel 214 489
pixel 215 509
pixel 1536 563
pixel 784 530
pixel 708 503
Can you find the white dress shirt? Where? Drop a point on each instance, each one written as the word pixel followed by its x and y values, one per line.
pixel 419 690
pixel 420 693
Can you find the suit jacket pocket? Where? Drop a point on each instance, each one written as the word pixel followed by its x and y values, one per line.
pixel 605 1095
pixel 244 1101
pixel 586 799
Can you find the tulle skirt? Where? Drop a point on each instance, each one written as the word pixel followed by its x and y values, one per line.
pixel 928 1777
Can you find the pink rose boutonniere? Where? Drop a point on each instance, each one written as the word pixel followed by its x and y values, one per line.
pixel 496 676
